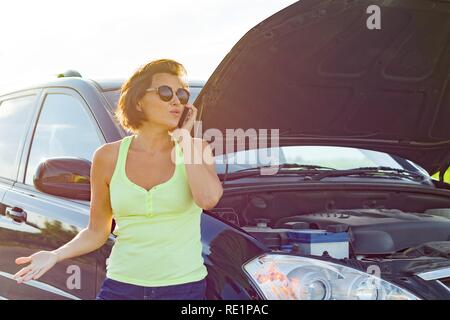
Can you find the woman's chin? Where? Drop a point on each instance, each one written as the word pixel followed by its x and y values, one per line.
pixel 169 124
pixel 172 126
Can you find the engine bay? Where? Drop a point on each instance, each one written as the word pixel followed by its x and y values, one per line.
pixel 381 225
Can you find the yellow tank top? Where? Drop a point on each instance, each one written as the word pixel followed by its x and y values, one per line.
pixel 158 230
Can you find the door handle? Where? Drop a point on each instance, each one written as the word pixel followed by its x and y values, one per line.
pixel 16 214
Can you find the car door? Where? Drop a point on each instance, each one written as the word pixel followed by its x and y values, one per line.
pixel 65 127
pixel 16 115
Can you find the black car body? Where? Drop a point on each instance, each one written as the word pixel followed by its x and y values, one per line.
pixel 316 73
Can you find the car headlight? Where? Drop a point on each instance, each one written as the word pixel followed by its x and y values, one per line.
pixel 281 277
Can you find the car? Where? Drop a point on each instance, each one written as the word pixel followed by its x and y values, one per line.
pixel 339 205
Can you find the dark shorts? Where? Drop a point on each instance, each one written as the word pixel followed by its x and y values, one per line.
pixel 116 290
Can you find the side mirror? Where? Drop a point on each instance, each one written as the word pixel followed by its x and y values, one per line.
pixel 65 177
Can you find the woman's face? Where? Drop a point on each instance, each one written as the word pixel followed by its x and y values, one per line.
pixel 165 114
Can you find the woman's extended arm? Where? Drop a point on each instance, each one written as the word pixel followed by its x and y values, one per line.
pixel 87 240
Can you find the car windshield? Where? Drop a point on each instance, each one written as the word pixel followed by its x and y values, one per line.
pixel 340 158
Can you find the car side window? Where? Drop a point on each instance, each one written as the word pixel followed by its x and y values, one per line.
pixel 15 117
pixel 65 129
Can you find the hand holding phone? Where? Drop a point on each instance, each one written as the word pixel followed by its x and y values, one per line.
pixel 186 122
pixel 183 117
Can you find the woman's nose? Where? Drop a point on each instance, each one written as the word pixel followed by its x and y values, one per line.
pixel 175 100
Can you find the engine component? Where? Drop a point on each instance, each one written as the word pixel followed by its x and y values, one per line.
pixel 320 242
pixel 377 231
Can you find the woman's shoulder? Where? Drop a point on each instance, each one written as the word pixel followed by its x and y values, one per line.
pixel 106 155
pixel 107 151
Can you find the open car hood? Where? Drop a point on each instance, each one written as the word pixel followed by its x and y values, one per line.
pixel 316 72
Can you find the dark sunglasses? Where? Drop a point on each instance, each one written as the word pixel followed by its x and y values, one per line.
pixel 166 93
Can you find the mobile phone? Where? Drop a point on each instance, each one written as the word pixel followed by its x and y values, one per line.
pixel 183 117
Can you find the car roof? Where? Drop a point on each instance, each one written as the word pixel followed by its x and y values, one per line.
pixel 71 82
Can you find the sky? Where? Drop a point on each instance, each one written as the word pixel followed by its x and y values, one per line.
pixel 111 39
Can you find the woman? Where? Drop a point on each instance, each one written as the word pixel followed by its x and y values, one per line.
pixel 151 185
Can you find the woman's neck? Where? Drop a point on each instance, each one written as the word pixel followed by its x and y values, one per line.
pixel 151 140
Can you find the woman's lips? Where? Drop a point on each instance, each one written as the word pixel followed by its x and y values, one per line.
pixel 176 112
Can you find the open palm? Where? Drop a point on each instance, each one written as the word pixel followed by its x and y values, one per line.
pixel 41 262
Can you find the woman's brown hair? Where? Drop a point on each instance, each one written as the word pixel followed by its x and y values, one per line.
pixel 134 89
